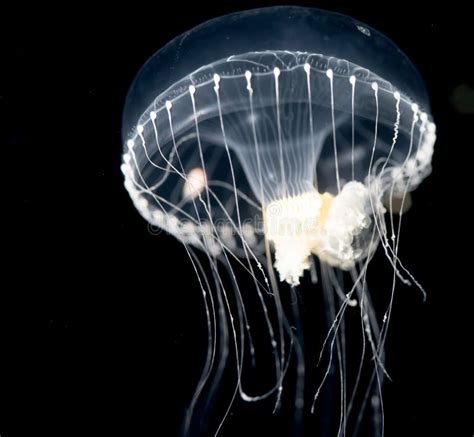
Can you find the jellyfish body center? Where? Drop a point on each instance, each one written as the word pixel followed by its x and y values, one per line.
pixel 318 224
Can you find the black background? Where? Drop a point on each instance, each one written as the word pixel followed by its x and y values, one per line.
pixel 101 321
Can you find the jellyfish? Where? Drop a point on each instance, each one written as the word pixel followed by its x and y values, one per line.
pixel 280 146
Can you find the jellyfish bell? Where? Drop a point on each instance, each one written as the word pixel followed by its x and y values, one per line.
pixel 265 81
pixel 276 136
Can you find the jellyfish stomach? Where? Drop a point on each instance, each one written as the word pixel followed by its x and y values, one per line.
pixel 320 224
